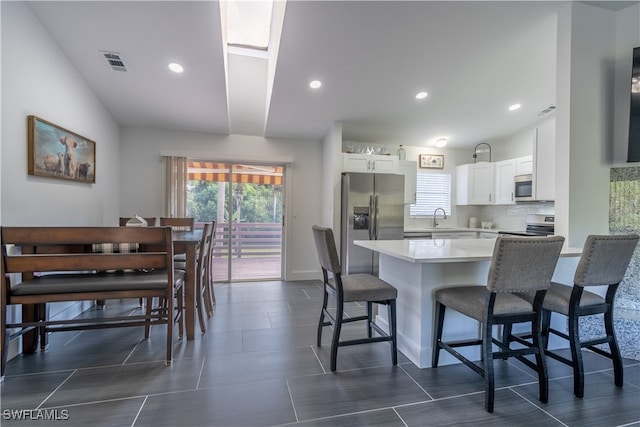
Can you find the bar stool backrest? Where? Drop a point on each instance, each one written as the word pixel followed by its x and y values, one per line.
pixel 605 259
pixel 523 264
pixel 326 248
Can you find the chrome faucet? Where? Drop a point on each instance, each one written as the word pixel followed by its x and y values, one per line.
pixel 444 216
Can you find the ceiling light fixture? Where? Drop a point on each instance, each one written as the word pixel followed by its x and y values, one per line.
pixel 421 95
pixel 315 84
pixel 176 68
pixel 515 107
pixel 441 142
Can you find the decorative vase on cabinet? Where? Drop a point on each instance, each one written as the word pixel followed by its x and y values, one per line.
pixel 402 154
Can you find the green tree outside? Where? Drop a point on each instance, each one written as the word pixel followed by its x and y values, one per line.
pixel 259 203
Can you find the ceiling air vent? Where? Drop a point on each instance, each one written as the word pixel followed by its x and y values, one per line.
pixel 114 60
pixel 547 110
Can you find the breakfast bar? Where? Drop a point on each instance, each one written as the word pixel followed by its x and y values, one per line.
pixel 417 267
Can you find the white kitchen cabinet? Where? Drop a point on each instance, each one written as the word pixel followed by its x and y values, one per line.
pixel 475 184
pixel 524 165
pixel 544 161
pixel 369 163
pixel 409 169
pixel 505 171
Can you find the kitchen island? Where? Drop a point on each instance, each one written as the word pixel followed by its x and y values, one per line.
pixel 417 267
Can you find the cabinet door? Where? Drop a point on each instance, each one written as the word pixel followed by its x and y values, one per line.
pixel 482 180
pixel 505 172
pixel 544 161
pixel 352 162
pixel 474 184
pixel 524 165
pixel 383 164
pixel 355 162
pixel 409 169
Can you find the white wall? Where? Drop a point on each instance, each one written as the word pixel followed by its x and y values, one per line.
pixel 627 37
pixel 332 187
pixel 142 180
pixel 38 79
pixel 589 40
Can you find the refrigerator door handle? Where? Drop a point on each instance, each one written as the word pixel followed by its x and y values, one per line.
pixel 371 216
pixel 375 217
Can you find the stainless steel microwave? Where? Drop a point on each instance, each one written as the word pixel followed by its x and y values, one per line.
pixel 524 188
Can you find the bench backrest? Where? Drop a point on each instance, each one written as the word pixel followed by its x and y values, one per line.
pixel 56 249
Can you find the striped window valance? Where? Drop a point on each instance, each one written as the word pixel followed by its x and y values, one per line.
pixel 226 172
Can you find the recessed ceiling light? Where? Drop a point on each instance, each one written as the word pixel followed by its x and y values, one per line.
pixel 421 95
pixel 315 84
pixel 515 107
pixel 441 142
pixel 176 68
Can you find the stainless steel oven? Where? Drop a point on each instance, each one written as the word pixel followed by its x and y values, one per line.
pixel 523 188
pixel 537 225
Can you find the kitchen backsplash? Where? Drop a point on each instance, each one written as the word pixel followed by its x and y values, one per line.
pixel 511 217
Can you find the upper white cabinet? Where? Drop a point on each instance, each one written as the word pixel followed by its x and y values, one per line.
pixel 505 171
pixel 475 184
pixel 544 164
pixel 409 169
pixel 524 165
pixel 370 163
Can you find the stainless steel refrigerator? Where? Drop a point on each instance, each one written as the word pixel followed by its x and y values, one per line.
pixel 372 209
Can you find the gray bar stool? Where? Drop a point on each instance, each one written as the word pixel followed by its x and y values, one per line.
pixel 351 288
pixel 604 262
pixel 519 265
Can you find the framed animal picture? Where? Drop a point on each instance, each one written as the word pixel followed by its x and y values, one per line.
pixel 55 152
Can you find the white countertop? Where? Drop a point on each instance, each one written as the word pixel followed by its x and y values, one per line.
pixel 441 250
pixel 447 229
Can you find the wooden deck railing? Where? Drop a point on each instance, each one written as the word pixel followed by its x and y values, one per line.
pixel 248 239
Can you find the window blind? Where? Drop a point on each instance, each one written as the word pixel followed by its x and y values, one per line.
pixel 433 190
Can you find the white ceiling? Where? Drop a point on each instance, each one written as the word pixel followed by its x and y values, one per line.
pixel 474 58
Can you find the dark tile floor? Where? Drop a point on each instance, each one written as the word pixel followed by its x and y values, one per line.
pixel 258 366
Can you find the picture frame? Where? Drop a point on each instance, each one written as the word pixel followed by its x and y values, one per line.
pixel 431 161
pixel 56 152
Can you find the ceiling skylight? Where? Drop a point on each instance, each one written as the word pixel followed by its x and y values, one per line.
pixel 249 23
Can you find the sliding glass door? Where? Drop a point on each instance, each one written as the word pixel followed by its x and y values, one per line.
pixel 246 201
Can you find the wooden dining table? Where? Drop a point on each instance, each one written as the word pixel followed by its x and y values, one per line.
pixel 187 242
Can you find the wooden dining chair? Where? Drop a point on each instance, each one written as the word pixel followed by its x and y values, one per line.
pixel 209 291
pixel 183 223
pixel 203 299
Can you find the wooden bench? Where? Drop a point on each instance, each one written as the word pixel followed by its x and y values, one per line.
pixel 61 264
